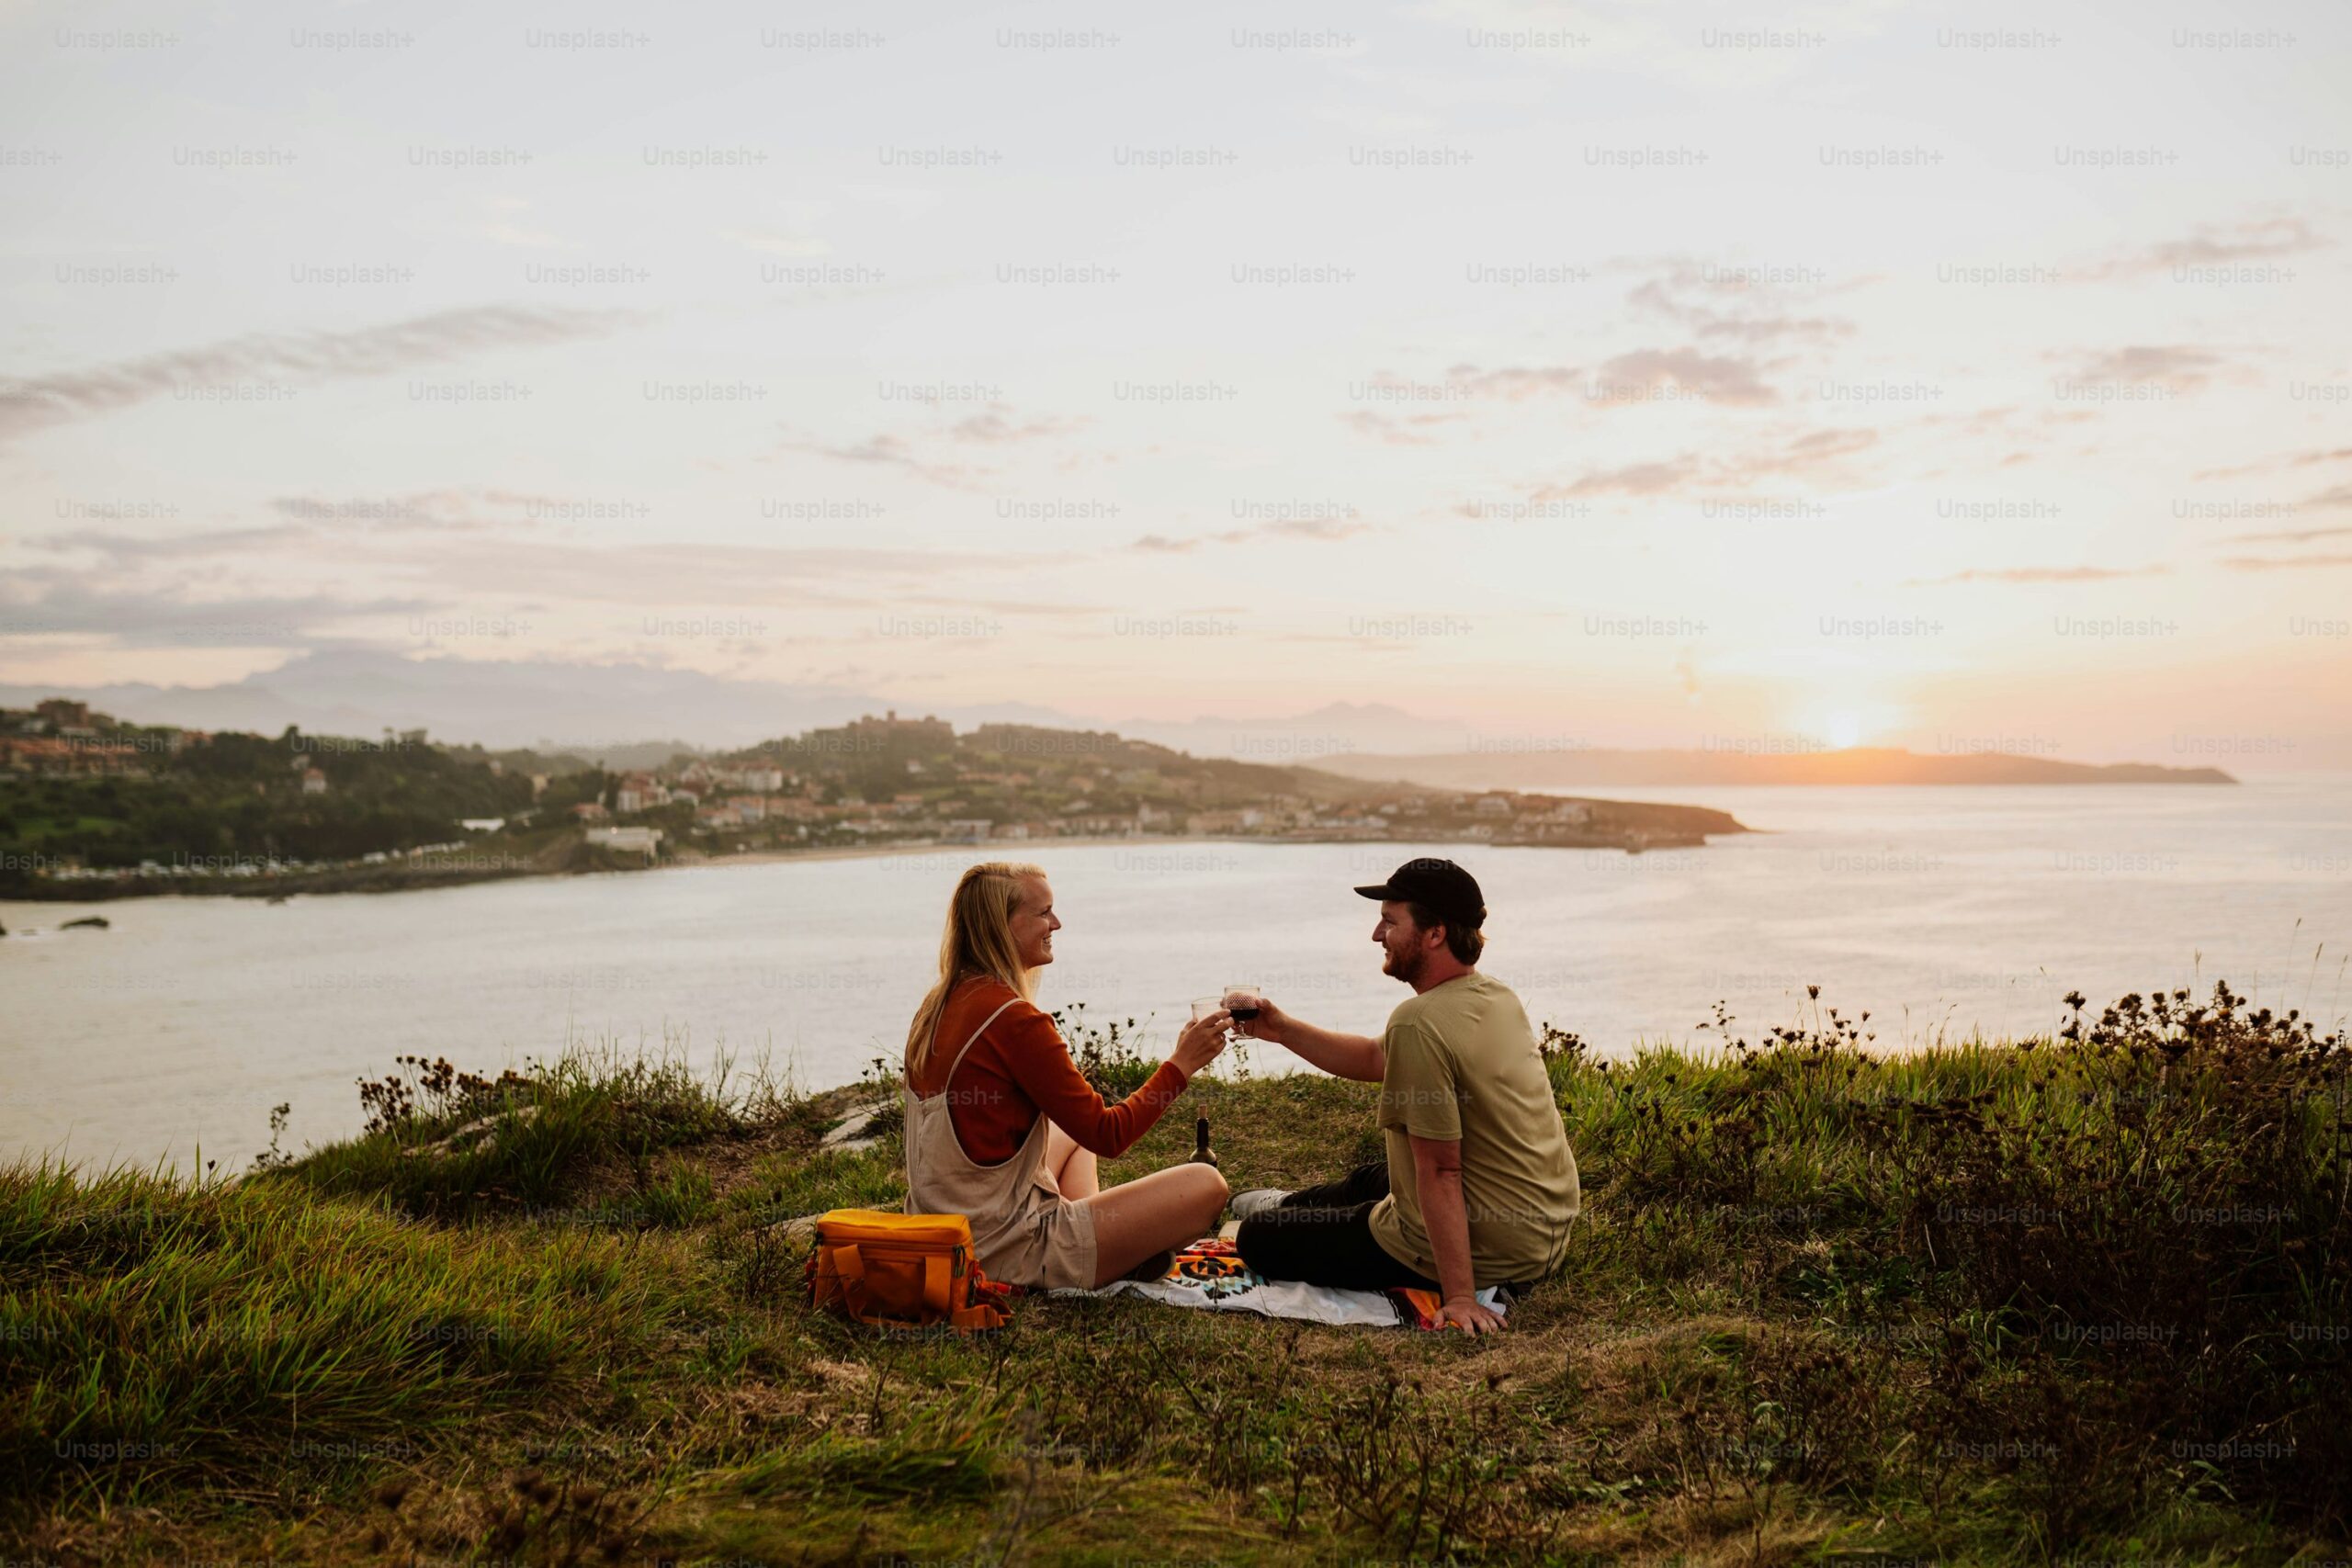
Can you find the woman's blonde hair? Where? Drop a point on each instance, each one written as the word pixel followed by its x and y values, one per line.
pixel 977 940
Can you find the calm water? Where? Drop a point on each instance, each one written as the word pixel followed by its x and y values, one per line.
pixel 1943 911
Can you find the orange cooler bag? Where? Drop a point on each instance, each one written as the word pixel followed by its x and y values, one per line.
pixel 903 1271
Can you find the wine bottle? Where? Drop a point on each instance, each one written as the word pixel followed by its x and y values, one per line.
pixel 1202 1153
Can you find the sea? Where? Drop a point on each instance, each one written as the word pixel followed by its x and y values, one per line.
pixel 1942 914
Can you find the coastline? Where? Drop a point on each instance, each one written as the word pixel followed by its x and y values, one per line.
pixel 1011 849
pixel 1015 850
pixel 489 864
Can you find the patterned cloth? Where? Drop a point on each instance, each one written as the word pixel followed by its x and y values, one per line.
pixel 1210 1274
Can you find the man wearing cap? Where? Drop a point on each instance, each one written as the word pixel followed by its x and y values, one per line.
pixel 1479 1187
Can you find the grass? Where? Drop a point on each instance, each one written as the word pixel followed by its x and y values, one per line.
pixel 2080 1299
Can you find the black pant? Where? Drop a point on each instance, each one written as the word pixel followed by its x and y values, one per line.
pixel 1323 1236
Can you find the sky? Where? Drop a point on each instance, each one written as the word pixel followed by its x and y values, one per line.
pixel 1963 377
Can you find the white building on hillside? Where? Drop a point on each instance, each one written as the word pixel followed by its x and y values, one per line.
pixel 633 840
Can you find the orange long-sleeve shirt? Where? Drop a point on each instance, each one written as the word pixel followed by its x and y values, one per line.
pixel 1018 1069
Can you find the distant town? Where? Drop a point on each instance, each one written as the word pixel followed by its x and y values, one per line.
pixel 92 806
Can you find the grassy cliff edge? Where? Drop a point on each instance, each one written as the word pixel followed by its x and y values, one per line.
pixel 2074 1299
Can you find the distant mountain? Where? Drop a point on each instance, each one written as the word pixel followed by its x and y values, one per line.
pixel 1549 770
pixel 618 713
pixel 589 709
pixel 615 714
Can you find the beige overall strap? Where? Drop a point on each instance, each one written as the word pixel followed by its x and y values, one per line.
pixel 916 1181
pixel 975 1040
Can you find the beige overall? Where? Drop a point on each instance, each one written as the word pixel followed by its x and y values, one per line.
pixel 1026 1233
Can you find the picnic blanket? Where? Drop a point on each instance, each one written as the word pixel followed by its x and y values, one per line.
pixel 1210 1274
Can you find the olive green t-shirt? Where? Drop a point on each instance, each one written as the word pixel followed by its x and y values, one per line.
pixel 1463 1066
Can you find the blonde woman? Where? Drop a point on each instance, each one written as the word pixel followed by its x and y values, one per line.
pixel 1001 1126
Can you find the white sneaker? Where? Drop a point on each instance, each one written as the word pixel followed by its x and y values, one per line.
pixel 1257 1201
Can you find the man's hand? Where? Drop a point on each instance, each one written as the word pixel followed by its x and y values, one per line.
pixel 1357 1056
pixel 1269 1024
pixel 1470 1317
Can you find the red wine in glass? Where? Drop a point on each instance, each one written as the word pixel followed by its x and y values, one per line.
pixel 1242 1002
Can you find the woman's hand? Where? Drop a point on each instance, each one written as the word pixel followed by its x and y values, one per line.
pixel 1202 1041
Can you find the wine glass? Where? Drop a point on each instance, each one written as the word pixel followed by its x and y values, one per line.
pixel 1204 1006
pixel 1242 1000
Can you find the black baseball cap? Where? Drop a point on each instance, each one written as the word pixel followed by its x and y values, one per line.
pixel 1436 884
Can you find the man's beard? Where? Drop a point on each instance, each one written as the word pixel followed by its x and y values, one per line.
pixel 1406 966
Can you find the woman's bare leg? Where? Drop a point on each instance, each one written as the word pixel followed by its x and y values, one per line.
pixel 1152 1213
pixel 1074 1169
